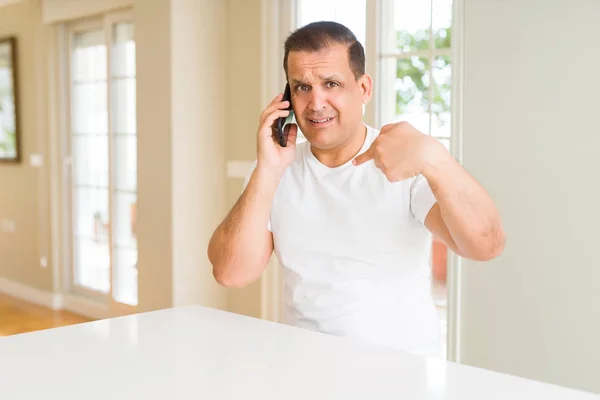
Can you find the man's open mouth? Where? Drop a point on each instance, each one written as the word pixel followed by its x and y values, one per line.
pixel 321 120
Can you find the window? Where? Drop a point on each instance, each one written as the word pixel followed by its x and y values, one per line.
pixel 103 145
pixel 415 65
pixel 414 86
pixel 412 75
pixel 351 13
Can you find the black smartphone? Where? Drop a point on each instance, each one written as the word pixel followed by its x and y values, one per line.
pixel 282 125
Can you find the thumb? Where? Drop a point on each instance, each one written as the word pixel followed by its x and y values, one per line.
pixel 364 157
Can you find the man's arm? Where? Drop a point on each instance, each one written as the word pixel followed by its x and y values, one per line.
pixel 464 216
pixel 241 246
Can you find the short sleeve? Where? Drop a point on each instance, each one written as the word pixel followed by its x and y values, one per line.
pixel 422 198
pixel 247 180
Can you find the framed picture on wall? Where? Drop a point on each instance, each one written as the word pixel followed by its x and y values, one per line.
pixel 9 105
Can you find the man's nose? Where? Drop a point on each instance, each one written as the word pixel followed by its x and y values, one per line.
pixel 317 100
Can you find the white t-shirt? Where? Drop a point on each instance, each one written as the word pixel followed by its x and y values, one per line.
pixel 355 252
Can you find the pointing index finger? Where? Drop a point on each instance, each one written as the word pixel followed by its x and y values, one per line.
pixel 364 157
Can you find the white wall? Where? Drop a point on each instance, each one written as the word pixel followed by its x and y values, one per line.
pixel 532 137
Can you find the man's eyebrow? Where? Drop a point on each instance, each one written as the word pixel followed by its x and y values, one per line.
pixel 322 77
pixel 331 77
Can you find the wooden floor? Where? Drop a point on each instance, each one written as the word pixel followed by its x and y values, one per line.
pixel 17 316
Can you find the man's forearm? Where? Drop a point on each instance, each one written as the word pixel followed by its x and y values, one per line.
pixel 467 210
pixel 239 244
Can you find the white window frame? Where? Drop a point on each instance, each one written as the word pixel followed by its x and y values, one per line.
pixel 105 302
pixel 375 24
pixel 285 12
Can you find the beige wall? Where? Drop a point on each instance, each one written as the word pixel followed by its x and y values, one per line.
pixel 155 230
pixel 23 198
pixel 65 10
pixel 243 111
pixel 185 136
pixel 531 136
pixel 198 38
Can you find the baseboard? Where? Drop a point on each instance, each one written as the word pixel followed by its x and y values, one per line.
pixel 85 307
pixel 55 301
pixel 30 294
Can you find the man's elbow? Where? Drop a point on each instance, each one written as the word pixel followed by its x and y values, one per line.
pixel 225 279
pixel 228 277
pixel 491 247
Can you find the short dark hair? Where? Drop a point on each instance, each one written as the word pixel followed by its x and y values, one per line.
pixel 318 35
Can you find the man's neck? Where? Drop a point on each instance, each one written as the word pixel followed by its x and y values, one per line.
pixel 339 156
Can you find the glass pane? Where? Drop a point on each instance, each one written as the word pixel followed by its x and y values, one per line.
pixel 412 24
pixel 125 277
pixel 125 219
pixel 90 160
pixel 442 20
pixel 123 50
pixel 92 264
pixel 91 218
pixel 88 59
pixel 441 125
pixel 412 92
pixel 351 13
pixel 124 126
pixel 124 105
pixel 440 107
pixel 89 108
pixel 126 163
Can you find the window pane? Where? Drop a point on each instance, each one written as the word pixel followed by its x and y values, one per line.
pixel 123 50
pixel 125 163
pixel 91 218
pixel 92 264
pixel 90 160
pixel 351 13
pixel 441 125
pixel 123 105
pixel 412 92
pixel 442 20
pixel 412 24
pixel 125 277
pixel 89 108
pixel 125 219
pixel 88 58
pixel 440 106
pixel 124 127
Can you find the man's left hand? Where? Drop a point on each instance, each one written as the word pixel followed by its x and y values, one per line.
pixel 400 151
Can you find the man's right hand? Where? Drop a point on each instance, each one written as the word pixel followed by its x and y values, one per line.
pixel 271 156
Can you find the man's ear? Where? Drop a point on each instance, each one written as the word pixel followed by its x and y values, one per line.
pixel 366 86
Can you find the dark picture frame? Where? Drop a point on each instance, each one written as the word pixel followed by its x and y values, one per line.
pixel 10 135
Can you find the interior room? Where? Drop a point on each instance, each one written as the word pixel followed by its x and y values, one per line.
pixel 128 130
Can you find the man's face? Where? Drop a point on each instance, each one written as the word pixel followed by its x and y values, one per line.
pixel 326 97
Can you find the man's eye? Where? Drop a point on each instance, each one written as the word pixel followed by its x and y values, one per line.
pixel 331 84
pixel 302 88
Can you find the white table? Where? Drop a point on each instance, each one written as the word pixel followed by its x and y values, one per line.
pixel 200 353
